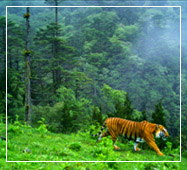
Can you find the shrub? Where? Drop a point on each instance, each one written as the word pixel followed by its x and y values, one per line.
pixel 2 118
pixel 75 146
pixel 69 114
pixel 42 128
pixel 15 128
pixel 103 150
pixel 168 147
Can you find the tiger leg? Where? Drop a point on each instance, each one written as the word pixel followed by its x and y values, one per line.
pixel 136 146
pixel 153 145
pixel 114 137
pixel 103 135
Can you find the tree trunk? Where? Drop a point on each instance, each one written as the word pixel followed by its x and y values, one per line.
pixel 56 15
pixel 4 45
pixel 27 72
pixel 10 59
pixel 57 71
pixel 17 62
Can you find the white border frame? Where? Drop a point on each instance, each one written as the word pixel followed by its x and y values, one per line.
pixel 94 7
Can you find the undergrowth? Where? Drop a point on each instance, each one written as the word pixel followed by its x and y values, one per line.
pixel 38 144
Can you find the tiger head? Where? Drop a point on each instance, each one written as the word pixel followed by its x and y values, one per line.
pixel 161 132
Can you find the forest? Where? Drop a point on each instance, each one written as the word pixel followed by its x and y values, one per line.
pixel 70 68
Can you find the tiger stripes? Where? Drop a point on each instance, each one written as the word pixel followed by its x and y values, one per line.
pixel 138 131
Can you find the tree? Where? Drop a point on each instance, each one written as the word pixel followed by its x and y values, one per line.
pixel 158 118
pixel 15 44
pixel 110 99
pixel 85 48
pixel 3 92
pixel 57 62
pixel 128 108
pixel 2 42
pixel 2 64
pixel 27 54
pixel 97 115
pixel 144 115
pixel 158 115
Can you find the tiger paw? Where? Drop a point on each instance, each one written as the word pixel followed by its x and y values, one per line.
pixel 137 149
pixel 161 154
pixel 116 147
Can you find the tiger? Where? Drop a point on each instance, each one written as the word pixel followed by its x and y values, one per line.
pixel 138 131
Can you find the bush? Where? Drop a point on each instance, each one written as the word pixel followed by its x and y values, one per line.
pixel 42 128
pixel 2 118
pixel 67 115
pixel 97 115
pixel 16 127
pixel 75 146
pixel 103 150
pixel 168 147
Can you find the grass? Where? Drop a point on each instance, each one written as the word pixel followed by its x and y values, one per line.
pixel 31 144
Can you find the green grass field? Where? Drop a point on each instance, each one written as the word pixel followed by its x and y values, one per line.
pixel 31 144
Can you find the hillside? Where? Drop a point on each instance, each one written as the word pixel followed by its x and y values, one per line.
pixel 117 62
pixel 38 144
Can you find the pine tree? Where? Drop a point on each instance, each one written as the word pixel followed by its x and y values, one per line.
pixel 2 64
pixel 2 42
pixel 120 110
pixel 158 117
pixel 97 115
pixel 158 114
pixel 144 115
pixel 3 92
pixel 128 108
pixel 56 63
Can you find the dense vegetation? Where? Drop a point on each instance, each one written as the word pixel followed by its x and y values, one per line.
pixel 31 144
pixel 88 64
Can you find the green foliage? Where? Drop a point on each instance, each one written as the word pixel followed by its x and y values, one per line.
pixel 91 59
pixel 184 143
pixel 75 146
pixel 17 122
pixel 2 92
pixel 16 127
pixel 15 95
pixel 128 108
pixel 169 150
pixel 158 115
pixel 97 115
pixel 168 147
pixel 93 129
pixel 67 115
pixel 144 115
pixel 2 118
pixel 127 33
pixel 103 150
pixel 60 53
pixel 83 66
pixel 158 118
pixel 42 128
pixel 112 99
